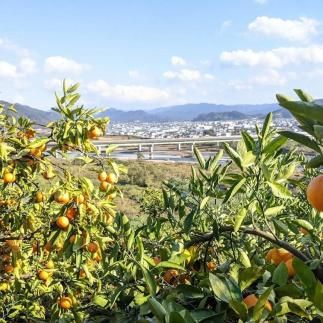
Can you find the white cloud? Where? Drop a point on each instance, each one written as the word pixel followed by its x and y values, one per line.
pixel 134 74
pixel 294 30
pixel 275 58
pixel 8 70
pixel 10 46
pixel 187 75
pixel 176 60
pixel 27 65
pixel 226 24
pixel 62 64
pixel 261 1
pixel 127 93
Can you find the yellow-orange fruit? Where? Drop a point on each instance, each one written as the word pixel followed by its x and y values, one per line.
pixel 251 301
pixel 94 133
pixel 71 212
pixel 278 255
pixel 62 197
pixel 112 178
pixel 314 192
pixel 97 257
pixel 79 199
pixel 104 186
pixel 50 264
pixel 48 174
pixel 211 265
pixel 62 222
pixel 14 245
pixel 93 247
pixel 82 274
pixel 65 303
pixel 156 260
pixel 8 178
pixel 36 152
pixel 43 275
pixel 102 176
pixel 8 268
pixel 170 275
pixel 40 197
pixel 290 267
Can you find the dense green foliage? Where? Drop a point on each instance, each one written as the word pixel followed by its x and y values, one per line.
pixel 237 242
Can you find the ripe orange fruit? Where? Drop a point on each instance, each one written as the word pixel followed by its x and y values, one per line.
pixel 82 274
pixel 8 178
pixel 314 192
pixel 71 212
pixel 211 265
pixel 170 275
pixel 93 247
pixel 156 260
pixel 62 197
pixel 36 152
pixel 14 245
pixel 65 303
pixel 30 133
pixel 79 199
pixel 112 178
pixel 48 174
pixel 40 197
pixel 43 275
pixel 97 257
pixel 104 186
pixel 290 267
pixel 278 255
pixel 251 301
pixel 62 222
pixel 94 133
pixel 8 268
pixel 72 238
pixel 102 176
pixel 304 231
pixel 50 264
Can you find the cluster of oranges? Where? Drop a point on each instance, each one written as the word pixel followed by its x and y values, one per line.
pixel 107 180
pixel 280 255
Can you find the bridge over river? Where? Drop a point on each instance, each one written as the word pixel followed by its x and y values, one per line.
pixel 153 145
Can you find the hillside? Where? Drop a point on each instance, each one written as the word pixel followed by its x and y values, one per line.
pixel 217 116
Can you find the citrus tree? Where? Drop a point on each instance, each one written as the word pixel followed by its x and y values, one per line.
pixel 240 241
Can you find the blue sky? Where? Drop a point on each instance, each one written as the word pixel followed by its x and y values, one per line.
pixel 143 54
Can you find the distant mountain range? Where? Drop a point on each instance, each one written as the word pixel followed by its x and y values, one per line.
pixel 185 112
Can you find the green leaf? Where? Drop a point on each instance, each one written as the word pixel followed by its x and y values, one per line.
pixel 175 317
pixel 157 309
pixel 169 264
pixel 304 224
pixel 247 276
pixel 266 125
pixel 233 190
pixel 275 145
pixel 279 190
pixel 306 276
pixel 273 211
pixel 318 296
pixel 204 202
pixel 302 139
pixel 149 280
pixel 100 300
pixel 280 275
pixel 224 289
pixel 233 155
pixel 240 308
pixel 239 219
pixel 305 97
pixel 199 157
pixel 315 162
pixel 259 307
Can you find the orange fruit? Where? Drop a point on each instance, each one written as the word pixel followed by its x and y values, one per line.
pixel 14 245
pixel 251 301
pixel 30 133
pixel 43 275
pixel 36 152
pixel 93 247
pixel 71 212
pixel 94 133
pixel 8 178
pixel 284 255
pixel 290 267
pixel 170 275
pixel 211 265
pixel 156 260
pixel 102 176
pixel 314 192
pixel 40 197
pixel 82 274
pixel 97 257
pixel 62 197
pixel 79 199
pixel 62 222
pixel 304 231
pixel 112 178
pixel 65 303
pixel 8 268
pixel 48 174
pixel 278 255
pixel 50 264
pixel 104 186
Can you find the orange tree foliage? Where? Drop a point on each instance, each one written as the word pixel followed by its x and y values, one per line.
pixel 238 242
